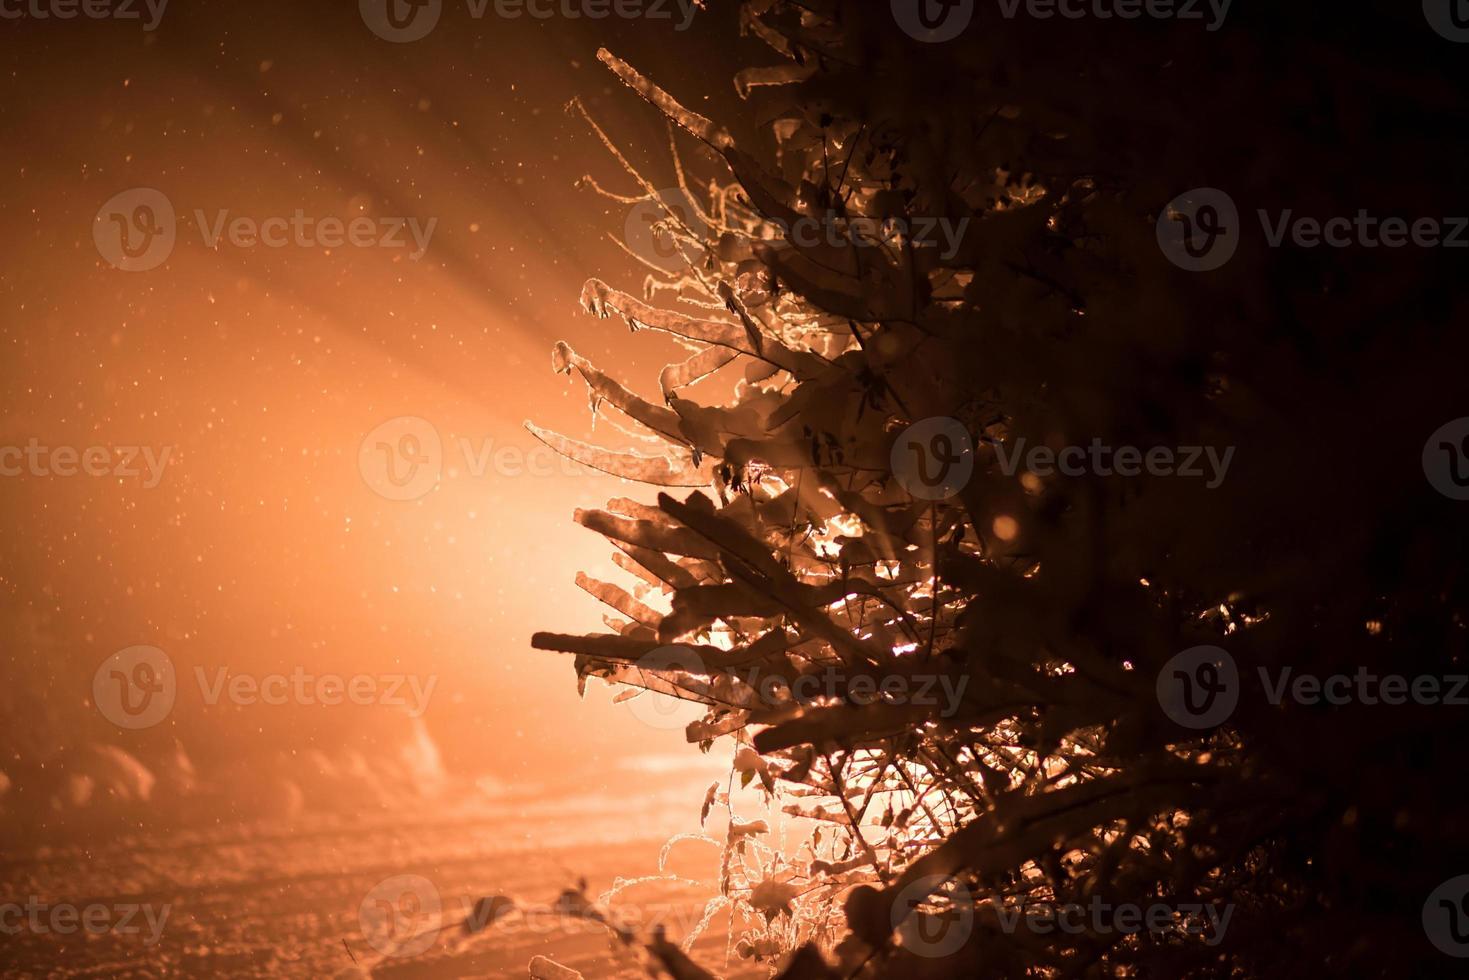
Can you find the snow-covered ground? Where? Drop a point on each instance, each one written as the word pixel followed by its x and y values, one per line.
pixel 379 893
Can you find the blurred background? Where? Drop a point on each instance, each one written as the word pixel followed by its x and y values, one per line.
pixel 268 386
pixel 263 369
